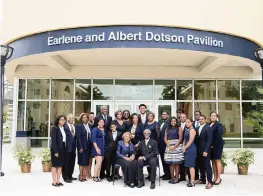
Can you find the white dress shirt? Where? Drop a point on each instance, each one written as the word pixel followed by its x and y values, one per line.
pixel 146 141
pixel 197 124
pixel 183 125
pixel 143 116
pixel 63 133
pixel 114 135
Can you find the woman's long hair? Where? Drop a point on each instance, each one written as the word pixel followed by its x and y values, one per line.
pixel 58 118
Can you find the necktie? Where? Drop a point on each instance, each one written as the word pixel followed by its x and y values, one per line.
pixel 105 118
pixel 72 129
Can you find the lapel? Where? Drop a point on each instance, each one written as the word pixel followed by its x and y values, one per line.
pixel 204 128
pixel 66 129
pixel 59 131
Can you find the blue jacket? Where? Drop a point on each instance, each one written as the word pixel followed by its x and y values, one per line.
pixel 82 137
pixel 70 139
pixel 217 134
pixel 123 151
pixel 138 133
pixel 204 140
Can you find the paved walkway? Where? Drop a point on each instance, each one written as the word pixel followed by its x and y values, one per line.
pixel 39 183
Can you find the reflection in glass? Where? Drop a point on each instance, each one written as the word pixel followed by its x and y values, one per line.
pixel 148 107
pixel 184 89
pixel 62 89
pixel 253 143
pixel 38 88
pixel 232 144
pixel 37 118
pixel 98 109
pixel 21 89
pixel 83 90
pixel 250 90
pixel 248 131
pixel 103 89
pixel 164 108
pixel 228 89
pixel 133 89
pixel 39 143
pixel 164 90
pixel 60 108
pixel 205 108
pixel 187 108
pixel 229 116
pixel 123 106
pixel 204 89
pixel 20 115
pixel 82 107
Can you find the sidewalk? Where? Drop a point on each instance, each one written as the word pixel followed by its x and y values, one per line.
pixel 38 183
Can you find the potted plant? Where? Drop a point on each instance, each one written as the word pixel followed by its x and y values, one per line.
pixel 243 158
pixel 224 161
pixel 24 157
pixel 46 160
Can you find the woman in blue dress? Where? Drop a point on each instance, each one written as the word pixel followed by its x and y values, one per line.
pixel 189 150
pixel 98 147
pixel 174 153
pixel 83 135
pixel 153 126
pixel 217 147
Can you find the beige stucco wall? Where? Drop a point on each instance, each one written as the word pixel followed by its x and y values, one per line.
pixel 241 17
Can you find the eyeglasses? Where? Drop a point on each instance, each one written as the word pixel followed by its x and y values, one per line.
pixel 146 133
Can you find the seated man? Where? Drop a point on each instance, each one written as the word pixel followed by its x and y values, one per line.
pixel 147 153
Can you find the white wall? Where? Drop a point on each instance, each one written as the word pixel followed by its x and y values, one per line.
pixel 240 17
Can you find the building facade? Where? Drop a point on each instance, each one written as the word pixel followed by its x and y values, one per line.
pixel 190 59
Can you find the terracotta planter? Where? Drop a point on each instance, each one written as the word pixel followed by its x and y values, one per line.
pixel 223 170
pixel 242 169
pixel 46 167
pixel 25 168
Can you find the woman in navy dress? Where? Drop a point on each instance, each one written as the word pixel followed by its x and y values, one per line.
pixel 217 147
pixel 136 129
pixel 83 134
pixel 98 147
pixel 120 124
pixel 174 153
pixel 189 150
pixel 58 149
pixel 125 158
pixel 153 126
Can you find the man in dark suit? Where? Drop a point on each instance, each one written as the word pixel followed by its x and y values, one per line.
pixel 162 146
pixel 143 115
pixel 147 155
pixel 183 119
pixel 196 125
pixel 204 142
pixel 110 155
pixel 107 121
pixel 68 169
pixel 196 122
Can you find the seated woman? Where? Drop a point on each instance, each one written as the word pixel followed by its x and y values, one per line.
pixel 125 158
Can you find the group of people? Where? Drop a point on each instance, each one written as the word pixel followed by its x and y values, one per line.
pixel 132 141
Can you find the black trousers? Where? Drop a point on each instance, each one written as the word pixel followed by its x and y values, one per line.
pixel 68 168
pixel 207 168
pixel 110 159
pixel 103 169
pixel 153 162
pixel 200 168
pixel 166 169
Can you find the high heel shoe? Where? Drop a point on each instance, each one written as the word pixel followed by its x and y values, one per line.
pixel 190 184
pixel 218 182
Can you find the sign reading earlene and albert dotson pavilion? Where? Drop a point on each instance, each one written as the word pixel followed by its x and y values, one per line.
pixel 125 36
pixel 139 36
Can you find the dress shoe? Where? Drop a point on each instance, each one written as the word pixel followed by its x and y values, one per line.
pixel 60 184
pixel 140 185
pixel 152 185
pixel 55 185
pixel 109 179
pixel 73 179
pixel 163 176
pixel 132 185
pixel 67 181
pixel 148 178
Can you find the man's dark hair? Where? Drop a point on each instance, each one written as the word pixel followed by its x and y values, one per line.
pixel 203 116
pixel 141 105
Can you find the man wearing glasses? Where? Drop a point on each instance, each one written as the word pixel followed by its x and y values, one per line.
pixel 147 153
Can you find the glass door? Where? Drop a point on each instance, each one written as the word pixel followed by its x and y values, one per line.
pixel 148 104
pixel 167 106
pixel 98 104
pixel 124 105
